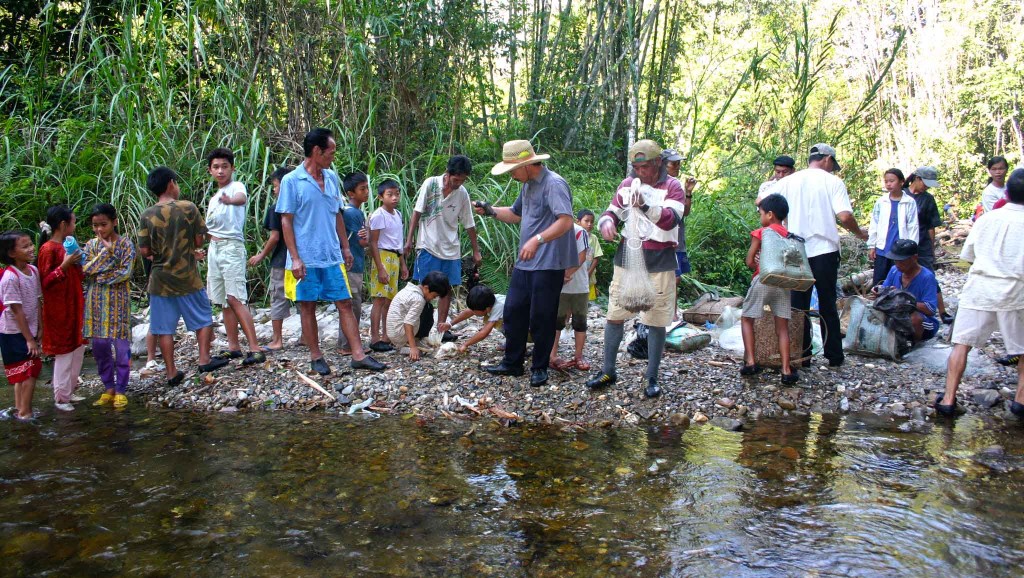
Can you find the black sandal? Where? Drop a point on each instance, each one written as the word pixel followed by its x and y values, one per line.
pixel 748 370
pixel 177 379
pixel 215 363
pixel 943 409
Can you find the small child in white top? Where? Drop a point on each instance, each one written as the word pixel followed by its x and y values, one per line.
pixel 20 292
pixel 482 301
pixel 574 301
pixel 411 315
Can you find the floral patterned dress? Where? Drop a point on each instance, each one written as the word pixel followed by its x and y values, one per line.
pixel 108 269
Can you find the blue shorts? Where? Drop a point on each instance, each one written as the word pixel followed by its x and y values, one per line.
pixel 164 312
pixel 426 263
pixel 682 263
pixel 323 284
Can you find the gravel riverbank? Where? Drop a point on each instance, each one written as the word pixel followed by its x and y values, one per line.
pixel 698 386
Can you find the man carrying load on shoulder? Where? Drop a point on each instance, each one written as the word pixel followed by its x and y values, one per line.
pixel 663 206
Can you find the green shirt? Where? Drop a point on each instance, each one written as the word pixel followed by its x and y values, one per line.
pixel 169 231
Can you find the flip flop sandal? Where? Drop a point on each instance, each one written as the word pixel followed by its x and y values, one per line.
pixel 562 365
pixel 582 365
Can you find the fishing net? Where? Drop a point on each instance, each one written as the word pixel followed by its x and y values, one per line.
pixel 637 289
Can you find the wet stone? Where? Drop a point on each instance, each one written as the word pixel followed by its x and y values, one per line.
pixel 726 423
pixel 986 397
pixel 679 420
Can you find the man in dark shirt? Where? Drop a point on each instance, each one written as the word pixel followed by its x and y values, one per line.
pixel 279 306
pixel 543 211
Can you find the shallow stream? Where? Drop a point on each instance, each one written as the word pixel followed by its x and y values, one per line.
pixel 160 493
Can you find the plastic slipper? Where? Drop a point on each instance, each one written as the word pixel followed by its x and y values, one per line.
pixel 562 365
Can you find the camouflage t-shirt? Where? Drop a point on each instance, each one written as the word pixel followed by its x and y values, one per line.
pixel 169 231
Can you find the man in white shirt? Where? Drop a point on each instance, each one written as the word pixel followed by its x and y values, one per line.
pixel 443 204
pixel 993 296
pixel 817 198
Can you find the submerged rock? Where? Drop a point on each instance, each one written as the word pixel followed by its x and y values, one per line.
pixel 726 423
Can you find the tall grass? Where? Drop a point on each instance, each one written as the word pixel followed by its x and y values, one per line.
pixel 399 82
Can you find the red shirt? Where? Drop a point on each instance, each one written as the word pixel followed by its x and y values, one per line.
pixel 63 301
pixel 757 235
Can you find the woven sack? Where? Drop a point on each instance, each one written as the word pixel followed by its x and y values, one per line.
pixel 766 342
pixel 709 307
pixel 868 334
pixel 784 262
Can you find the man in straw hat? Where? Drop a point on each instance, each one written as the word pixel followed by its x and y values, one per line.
pixel 664 206
pixel 543 211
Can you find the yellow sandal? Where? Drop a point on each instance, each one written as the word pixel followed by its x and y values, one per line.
pixel 120 400
pixel 105 399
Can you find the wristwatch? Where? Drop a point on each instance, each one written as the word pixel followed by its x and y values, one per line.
pixel 540 239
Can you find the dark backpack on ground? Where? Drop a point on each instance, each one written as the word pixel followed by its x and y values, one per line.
pixel 638 347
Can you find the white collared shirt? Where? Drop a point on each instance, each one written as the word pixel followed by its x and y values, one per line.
pixel 995 247
pixel 815 198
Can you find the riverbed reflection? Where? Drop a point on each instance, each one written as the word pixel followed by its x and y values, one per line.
pixel 153 492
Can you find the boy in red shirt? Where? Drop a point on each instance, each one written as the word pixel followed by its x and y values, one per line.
pixel 773 210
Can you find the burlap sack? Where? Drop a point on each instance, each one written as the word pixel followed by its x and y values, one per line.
pixel 709 307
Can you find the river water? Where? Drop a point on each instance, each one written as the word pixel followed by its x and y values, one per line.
pixel 150 492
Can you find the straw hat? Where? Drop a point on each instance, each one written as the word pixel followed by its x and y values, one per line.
pixel 515 154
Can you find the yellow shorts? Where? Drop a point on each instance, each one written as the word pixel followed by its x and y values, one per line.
pixel 290 284
pixel 391 267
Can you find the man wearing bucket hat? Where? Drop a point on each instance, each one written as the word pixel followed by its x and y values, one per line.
pixel 908 275
pixel 663 206
pixel 928 219
pixel 817 198
pixel 543 211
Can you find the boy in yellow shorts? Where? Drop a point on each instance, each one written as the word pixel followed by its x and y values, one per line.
pixel 388 265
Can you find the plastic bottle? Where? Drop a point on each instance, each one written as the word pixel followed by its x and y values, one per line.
pixel 70 244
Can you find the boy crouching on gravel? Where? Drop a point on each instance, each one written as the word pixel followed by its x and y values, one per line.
pixel 411 315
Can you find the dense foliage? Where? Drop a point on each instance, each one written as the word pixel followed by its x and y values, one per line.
pixel 96 93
